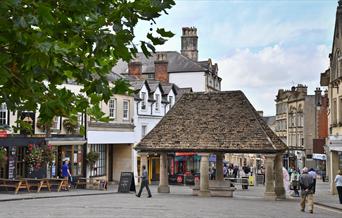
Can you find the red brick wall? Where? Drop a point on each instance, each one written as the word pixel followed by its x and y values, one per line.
pixel 323 119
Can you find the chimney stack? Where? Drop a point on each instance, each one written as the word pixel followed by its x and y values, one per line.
pixel 189 43
pixel 318 97
pixel 160 67
pixel 135 68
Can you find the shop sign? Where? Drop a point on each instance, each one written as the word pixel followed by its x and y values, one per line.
pixel 180 179
pixel 319 156
pixel 3 134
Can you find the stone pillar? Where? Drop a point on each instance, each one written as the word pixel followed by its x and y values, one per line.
pixel 204 180
pixel 278 173
pixel 334 166
pixel 163 179
pixel 269 186
pixel 219 167
pixel 143 162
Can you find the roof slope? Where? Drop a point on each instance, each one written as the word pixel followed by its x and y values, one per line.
pixel 176 63
pixel 209 122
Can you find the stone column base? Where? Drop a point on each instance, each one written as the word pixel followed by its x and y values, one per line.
pixel 270 196
pixel 164 189
pixel 280 192
pixel 204 193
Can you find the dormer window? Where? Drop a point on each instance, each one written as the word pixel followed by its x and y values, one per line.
pixel 157 102
pixel 143 101
pixel 171 101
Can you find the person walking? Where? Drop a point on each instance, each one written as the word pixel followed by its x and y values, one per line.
pixel 306 184
pixel 66 172
pixel 338 182
pixel 295 182
pixel 144 183
pixel 313 173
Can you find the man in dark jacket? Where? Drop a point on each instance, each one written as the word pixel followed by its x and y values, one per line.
pixel 144 182
pixel 306 184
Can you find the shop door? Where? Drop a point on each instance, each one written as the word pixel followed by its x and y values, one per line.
pixel 64 152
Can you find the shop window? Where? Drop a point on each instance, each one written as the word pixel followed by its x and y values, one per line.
pixel 125 110
pixel 100 164
pixel 77 160
pixel 112 108
pixel 3 114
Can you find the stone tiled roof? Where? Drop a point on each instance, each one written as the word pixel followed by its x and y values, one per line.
pixel 212 122
pixel 176 63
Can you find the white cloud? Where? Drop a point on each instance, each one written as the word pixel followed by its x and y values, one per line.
pixel 260 74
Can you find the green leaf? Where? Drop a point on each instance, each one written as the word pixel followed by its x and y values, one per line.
pixel 165 33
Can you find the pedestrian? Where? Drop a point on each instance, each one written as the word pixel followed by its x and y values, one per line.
pixel 295 182
pixel 66 172
pixel 144 183
pixel 313 173
pixel 213 173
pixel 338 182
pixel 286 179
pixel 235 171
pixel 306 184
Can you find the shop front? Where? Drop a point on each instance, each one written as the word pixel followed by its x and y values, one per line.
pixel 14 151
pixel 71 149
pixel 184 168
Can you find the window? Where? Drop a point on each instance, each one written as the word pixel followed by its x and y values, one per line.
pixel 100 164
pixel 143 131
pixel 3 114
pixel 171 101
pixel 143 100
pixel 334 112
pixel 125 110
pixel 56 123
pixel 157 102
pixel 20 162
pixel 112 108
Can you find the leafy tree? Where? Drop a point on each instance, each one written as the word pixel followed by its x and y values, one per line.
pixel 45 43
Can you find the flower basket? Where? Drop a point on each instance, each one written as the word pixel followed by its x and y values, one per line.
pixel 33 157
pixel 92 157
pixel 3 156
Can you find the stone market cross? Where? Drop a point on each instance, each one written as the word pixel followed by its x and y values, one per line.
pixel 215 122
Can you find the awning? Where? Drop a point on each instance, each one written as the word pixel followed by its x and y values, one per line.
pixel 185 153
pixel 66 141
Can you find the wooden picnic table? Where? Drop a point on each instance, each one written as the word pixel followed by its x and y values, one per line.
pixel 17 184
pixel 39 183
pixel 60 183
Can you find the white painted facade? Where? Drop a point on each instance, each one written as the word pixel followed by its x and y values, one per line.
pixel 147 115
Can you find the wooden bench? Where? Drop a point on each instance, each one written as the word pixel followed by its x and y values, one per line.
pixel 38 183
pixel 17 184
pixel 91 183
pixel 59 183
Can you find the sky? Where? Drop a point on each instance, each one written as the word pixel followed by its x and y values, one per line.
pixel 260 46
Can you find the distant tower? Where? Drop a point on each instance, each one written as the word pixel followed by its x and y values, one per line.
pixel 189 43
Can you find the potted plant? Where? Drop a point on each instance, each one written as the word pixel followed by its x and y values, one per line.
pixel 33 157
pixel 92 157
pixel 3 156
